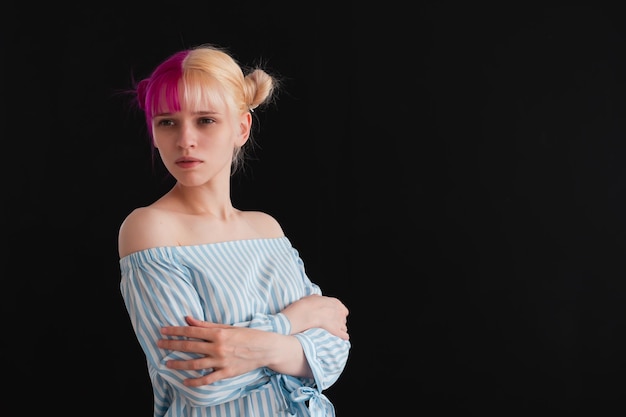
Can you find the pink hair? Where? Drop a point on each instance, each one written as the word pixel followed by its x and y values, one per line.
pixel 161 88
pixel 197 79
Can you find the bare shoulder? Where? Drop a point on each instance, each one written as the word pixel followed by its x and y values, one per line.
pixel 141 229
pixel 153 226
pixel 264 224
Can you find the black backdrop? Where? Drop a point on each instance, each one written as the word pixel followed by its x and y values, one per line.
pixel 455 175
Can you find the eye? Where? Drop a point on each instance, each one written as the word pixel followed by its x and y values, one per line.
pixel 165 122
pixel 206 121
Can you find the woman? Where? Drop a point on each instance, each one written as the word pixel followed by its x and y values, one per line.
pixel 218 298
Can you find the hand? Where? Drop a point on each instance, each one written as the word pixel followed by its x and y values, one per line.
pixel 228 350
pixel 318 311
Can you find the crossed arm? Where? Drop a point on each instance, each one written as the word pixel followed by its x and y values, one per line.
pixel 231 351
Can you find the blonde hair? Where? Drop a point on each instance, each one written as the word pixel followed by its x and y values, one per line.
pixel 205 73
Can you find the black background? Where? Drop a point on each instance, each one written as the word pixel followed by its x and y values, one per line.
pixel 454 174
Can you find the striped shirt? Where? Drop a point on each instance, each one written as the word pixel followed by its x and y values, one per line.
pixel 241 283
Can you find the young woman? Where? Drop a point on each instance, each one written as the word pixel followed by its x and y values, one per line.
pixel 218 297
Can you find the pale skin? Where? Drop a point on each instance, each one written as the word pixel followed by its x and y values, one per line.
pixel 196 146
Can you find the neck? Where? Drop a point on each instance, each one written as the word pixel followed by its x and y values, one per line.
pixel 203 201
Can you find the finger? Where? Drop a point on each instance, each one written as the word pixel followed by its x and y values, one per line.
pixel 185 346
pixel 203 333
pixel 190 364
pixel 203 380
pixel 343 333
pixel 201 323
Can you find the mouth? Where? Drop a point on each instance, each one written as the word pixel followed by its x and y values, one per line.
pixel 187 162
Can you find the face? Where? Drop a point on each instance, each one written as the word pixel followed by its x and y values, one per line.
pixel 197 145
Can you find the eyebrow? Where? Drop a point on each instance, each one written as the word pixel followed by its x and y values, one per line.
pixel 196 113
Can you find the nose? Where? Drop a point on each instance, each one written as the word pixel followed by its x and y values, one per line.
pixel 187 138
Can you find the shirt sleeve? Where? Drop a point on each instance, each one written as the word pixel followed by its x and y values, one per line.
pixel 326 353
pixel 157 292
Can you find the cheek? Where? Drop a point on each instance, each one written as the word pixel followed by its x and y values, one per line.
pixel 162 140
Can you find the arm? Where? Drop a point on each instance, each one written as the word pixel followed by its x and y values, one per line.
pixel 318 311
pixel 231 351
pixel 158 293
pixel 325 348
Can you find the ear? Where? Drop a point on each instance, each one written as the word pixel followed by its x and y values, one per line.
pixel 245 124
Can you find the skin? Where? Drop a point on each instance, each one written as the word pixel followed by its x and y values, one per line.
pixel 196 146
pixel 232 351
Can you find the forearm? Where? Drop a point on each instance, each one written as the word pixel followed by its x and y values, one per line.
pixel 268 341
pixel 317 311
pixel 230 351
pixel 285 355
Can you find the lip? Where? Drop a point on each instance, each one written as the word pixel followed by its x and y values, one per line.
pixel 187 162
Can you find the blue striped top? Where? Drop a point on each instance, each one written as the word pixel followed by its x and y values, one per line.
pixel 241 283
